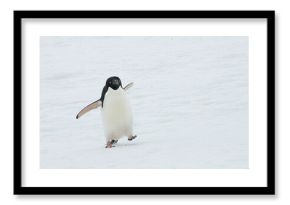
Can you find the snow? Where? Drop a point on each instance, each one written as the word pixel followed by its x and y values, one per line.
pixel 189 100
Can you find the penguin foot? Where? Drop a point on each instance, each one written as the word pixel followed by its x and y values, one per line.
pixel 109 146
pixel 110 143
pixel 131 138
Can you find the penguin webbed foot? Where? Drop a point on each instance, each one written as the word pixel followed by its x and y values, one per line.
pixel 131 138
pixel 110 143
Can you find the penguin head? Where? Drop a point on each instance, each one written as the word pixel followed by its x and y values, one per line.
pixel 114 82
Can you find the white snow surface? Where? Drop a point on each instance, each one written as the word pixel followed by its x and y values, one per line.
pixel 189 100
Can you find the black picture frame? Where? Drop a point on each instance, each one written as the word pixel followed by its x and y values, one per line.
pixel 268 190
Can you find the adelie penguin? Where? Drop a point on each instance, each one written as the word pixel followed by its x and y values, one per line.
pixel 116 111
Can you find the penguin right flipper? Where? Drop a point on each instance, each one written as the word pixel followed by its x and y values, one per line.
pixel 89 107
pixel 128 86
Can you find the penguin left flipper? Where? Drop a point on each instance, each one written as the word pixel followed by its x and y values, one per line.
pixel 128 86
pixel 89 107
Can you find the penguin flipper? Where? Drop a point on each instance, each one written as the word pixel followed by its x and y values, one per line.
pixel 128 86
pixel 89 107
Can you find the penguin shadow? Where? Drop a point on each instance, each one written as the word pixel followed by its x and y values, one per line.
pixel 126 144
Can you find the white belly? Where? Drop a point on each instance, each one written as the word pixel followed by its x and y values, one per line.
pixel 117 114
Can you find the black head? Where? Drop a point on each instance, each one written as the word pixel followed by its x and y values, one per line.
pixel 114 82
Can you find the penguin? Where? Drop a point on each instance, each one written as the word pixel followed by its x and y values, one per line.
pixel 116 111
